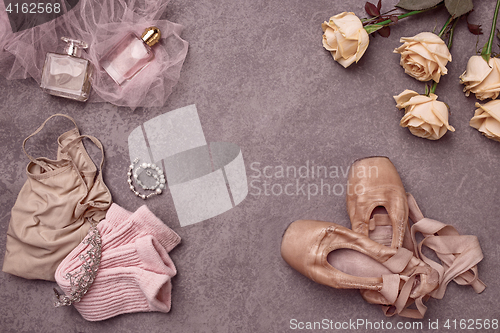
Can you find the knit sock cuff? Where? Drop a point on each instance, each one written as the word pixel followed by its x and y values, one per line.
pixel 145 221
pixel 154 257
pixel 122 227
pixel 145 253
pixel 114 217
pixel 116 214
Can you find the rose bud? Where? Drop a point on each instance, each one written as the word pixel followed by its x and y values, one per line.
pixel 481 78
pixel 345 38
pixel 487 119
pixel 425 116
pixel 424 56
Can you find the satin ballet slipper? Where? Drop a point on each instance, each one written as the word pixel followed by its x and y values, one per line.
pixel 394 277
pixel 376 202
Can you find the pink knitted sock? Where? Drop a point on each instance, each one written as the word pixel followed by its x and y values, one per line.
pixel 122 227
pixel 131 278
pixel 125 290
pixel 135 269
pixel 145 253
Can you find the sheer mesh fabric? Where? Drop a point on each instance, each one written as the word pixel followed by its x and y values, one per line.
pixel 101 24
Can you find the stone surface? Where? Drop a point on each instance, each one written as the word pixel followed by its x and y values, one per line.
pixel 260 78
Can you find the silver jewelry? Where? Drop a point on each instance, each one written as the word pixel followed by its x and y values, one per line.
pixel 82 280
pixel 152 171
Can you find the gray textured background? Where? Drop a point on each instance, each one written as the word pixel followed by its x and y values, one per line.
pixel 260 79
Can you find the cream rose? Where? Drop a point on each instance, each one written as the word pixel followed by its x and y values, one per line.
pixel 487 119
pixel 345 38
pixel 425 116
pixel 481 78
pixel 424 56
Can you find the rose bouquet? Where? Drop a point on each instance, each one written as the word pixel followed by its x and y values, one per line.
pixel 423 57
pixel 346 36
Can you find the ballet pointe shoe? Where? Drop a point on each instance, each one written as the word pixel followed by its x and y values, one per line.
pixel 376 202
pixel 393 277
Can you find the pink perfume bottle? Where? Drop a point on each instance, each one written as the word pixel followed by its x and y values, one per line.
pixel 132 54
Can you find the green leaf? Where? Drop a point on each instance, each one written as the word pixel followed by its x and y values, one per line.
pixel 417 4
pixel 458 8
pixel 486 56
pixel 486 53
pixel 373 27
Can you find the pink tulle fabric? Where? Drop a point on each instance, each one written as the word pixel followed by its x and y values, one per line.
pixel 101 24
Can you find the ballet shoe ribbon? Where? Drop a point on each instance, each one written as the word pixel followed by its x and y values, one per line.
pixel 400 298
pixel 459 254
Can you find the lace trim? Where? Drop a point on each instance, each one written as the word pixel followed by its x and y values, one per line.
pixel 82 280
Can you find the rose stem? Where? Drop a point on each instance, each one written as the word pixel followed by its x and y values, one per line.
pixel 486 53
pixel 374 27
pixel 445 26
pixel 366 20
pixel 450 43
pixel 452 32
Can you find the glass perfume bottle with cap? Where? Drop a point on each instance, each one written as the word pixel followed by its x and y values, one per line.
pixel 68 75
pixel 129 56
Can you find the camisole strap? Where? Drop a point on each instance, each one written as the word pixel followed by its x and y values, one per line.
pixel 32 159
pixel 76 140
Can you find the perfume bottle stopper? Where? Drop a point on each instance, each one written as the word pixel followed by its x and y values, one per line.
pixel 74 47
pixel 151 36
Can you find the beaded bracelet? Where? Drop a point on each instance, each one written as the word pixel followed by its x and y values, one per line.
pixel 152 171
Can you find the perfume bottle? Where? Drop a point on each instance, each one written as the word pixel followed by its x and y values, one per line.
pixel 68 75
pixel 131 55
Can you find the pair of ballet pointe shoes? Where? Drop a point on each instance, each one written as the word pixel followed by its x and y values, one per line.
pixel 380 256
